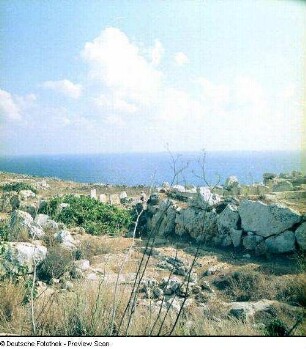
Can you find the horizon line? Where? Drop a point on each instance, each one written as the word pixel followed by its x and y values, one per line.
pixel 154 152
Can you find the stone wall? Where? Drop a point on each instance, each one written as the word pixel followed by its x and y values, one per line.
pixel 250 225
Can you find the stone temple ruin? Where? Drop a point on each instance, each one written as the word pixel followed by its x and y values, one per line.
pixel 246 217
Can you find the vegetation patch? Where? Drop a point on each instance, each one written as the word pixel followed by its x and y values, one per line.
pixel 56 264
pixel 18 186
pixel 95 217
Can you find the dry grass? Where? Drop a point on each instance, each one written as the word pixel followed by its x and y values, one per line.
pixel 13 315
pixel 247 284
pixel 20 235
pixel 87 311
pixel 92 246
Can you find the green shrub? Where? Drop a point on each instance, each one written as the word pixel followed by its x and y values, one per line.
pixel 4 232
pixel 94 216
pixel 276 328
pixel 18 186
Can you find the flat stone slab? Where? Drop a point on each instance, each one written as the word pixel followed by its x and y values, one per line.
pixel 266 220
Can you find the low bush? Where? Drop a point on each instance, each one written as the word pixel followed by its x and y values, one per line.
pixel 18 186
pixel 244 285
pixel 276 328
pixel 292 290
pixel 94 216
pixel 56 264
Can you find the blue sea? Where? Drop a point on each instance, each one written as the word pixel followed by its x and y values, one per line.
pixel 154 168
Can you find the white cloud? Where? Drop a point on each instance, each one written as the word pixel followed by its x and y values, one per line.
pixel 65 87
pixel 216 94
pixel 157 52
pixel 118 64
pixel 248 91
pixel 27 101
pixel 126 88
pixel 9 109
pixel 178 105
pixel 114 103
pixel 180 58
pixel 114 121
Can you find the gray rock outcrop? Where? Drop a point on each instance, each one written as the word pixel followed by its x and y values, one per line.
pixel 251 241
pixel 266 220
pixel 23 222
pixel 199 224
pixel 282 243
pixel 23 255
pixel 228 218
pixel 162 218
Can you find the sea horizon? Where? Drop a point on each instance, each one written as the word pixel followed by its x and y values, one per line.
pixel 144 168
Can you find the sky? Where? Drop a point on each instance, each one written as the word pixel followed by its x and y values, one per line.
pixel 139 76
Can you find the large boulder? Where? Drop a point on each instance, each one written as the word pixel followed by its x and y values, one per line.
pixel 300 235
pixel 162 218
pixel 19 255
pixel 266 220
pixel 228 218
pixel 282 243
pixel 199 224
pixel 20 218
pixel 23 222
pixel 251 241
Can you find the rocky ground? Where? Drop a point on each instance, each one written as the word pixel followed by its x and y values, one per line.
pixel 83 283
